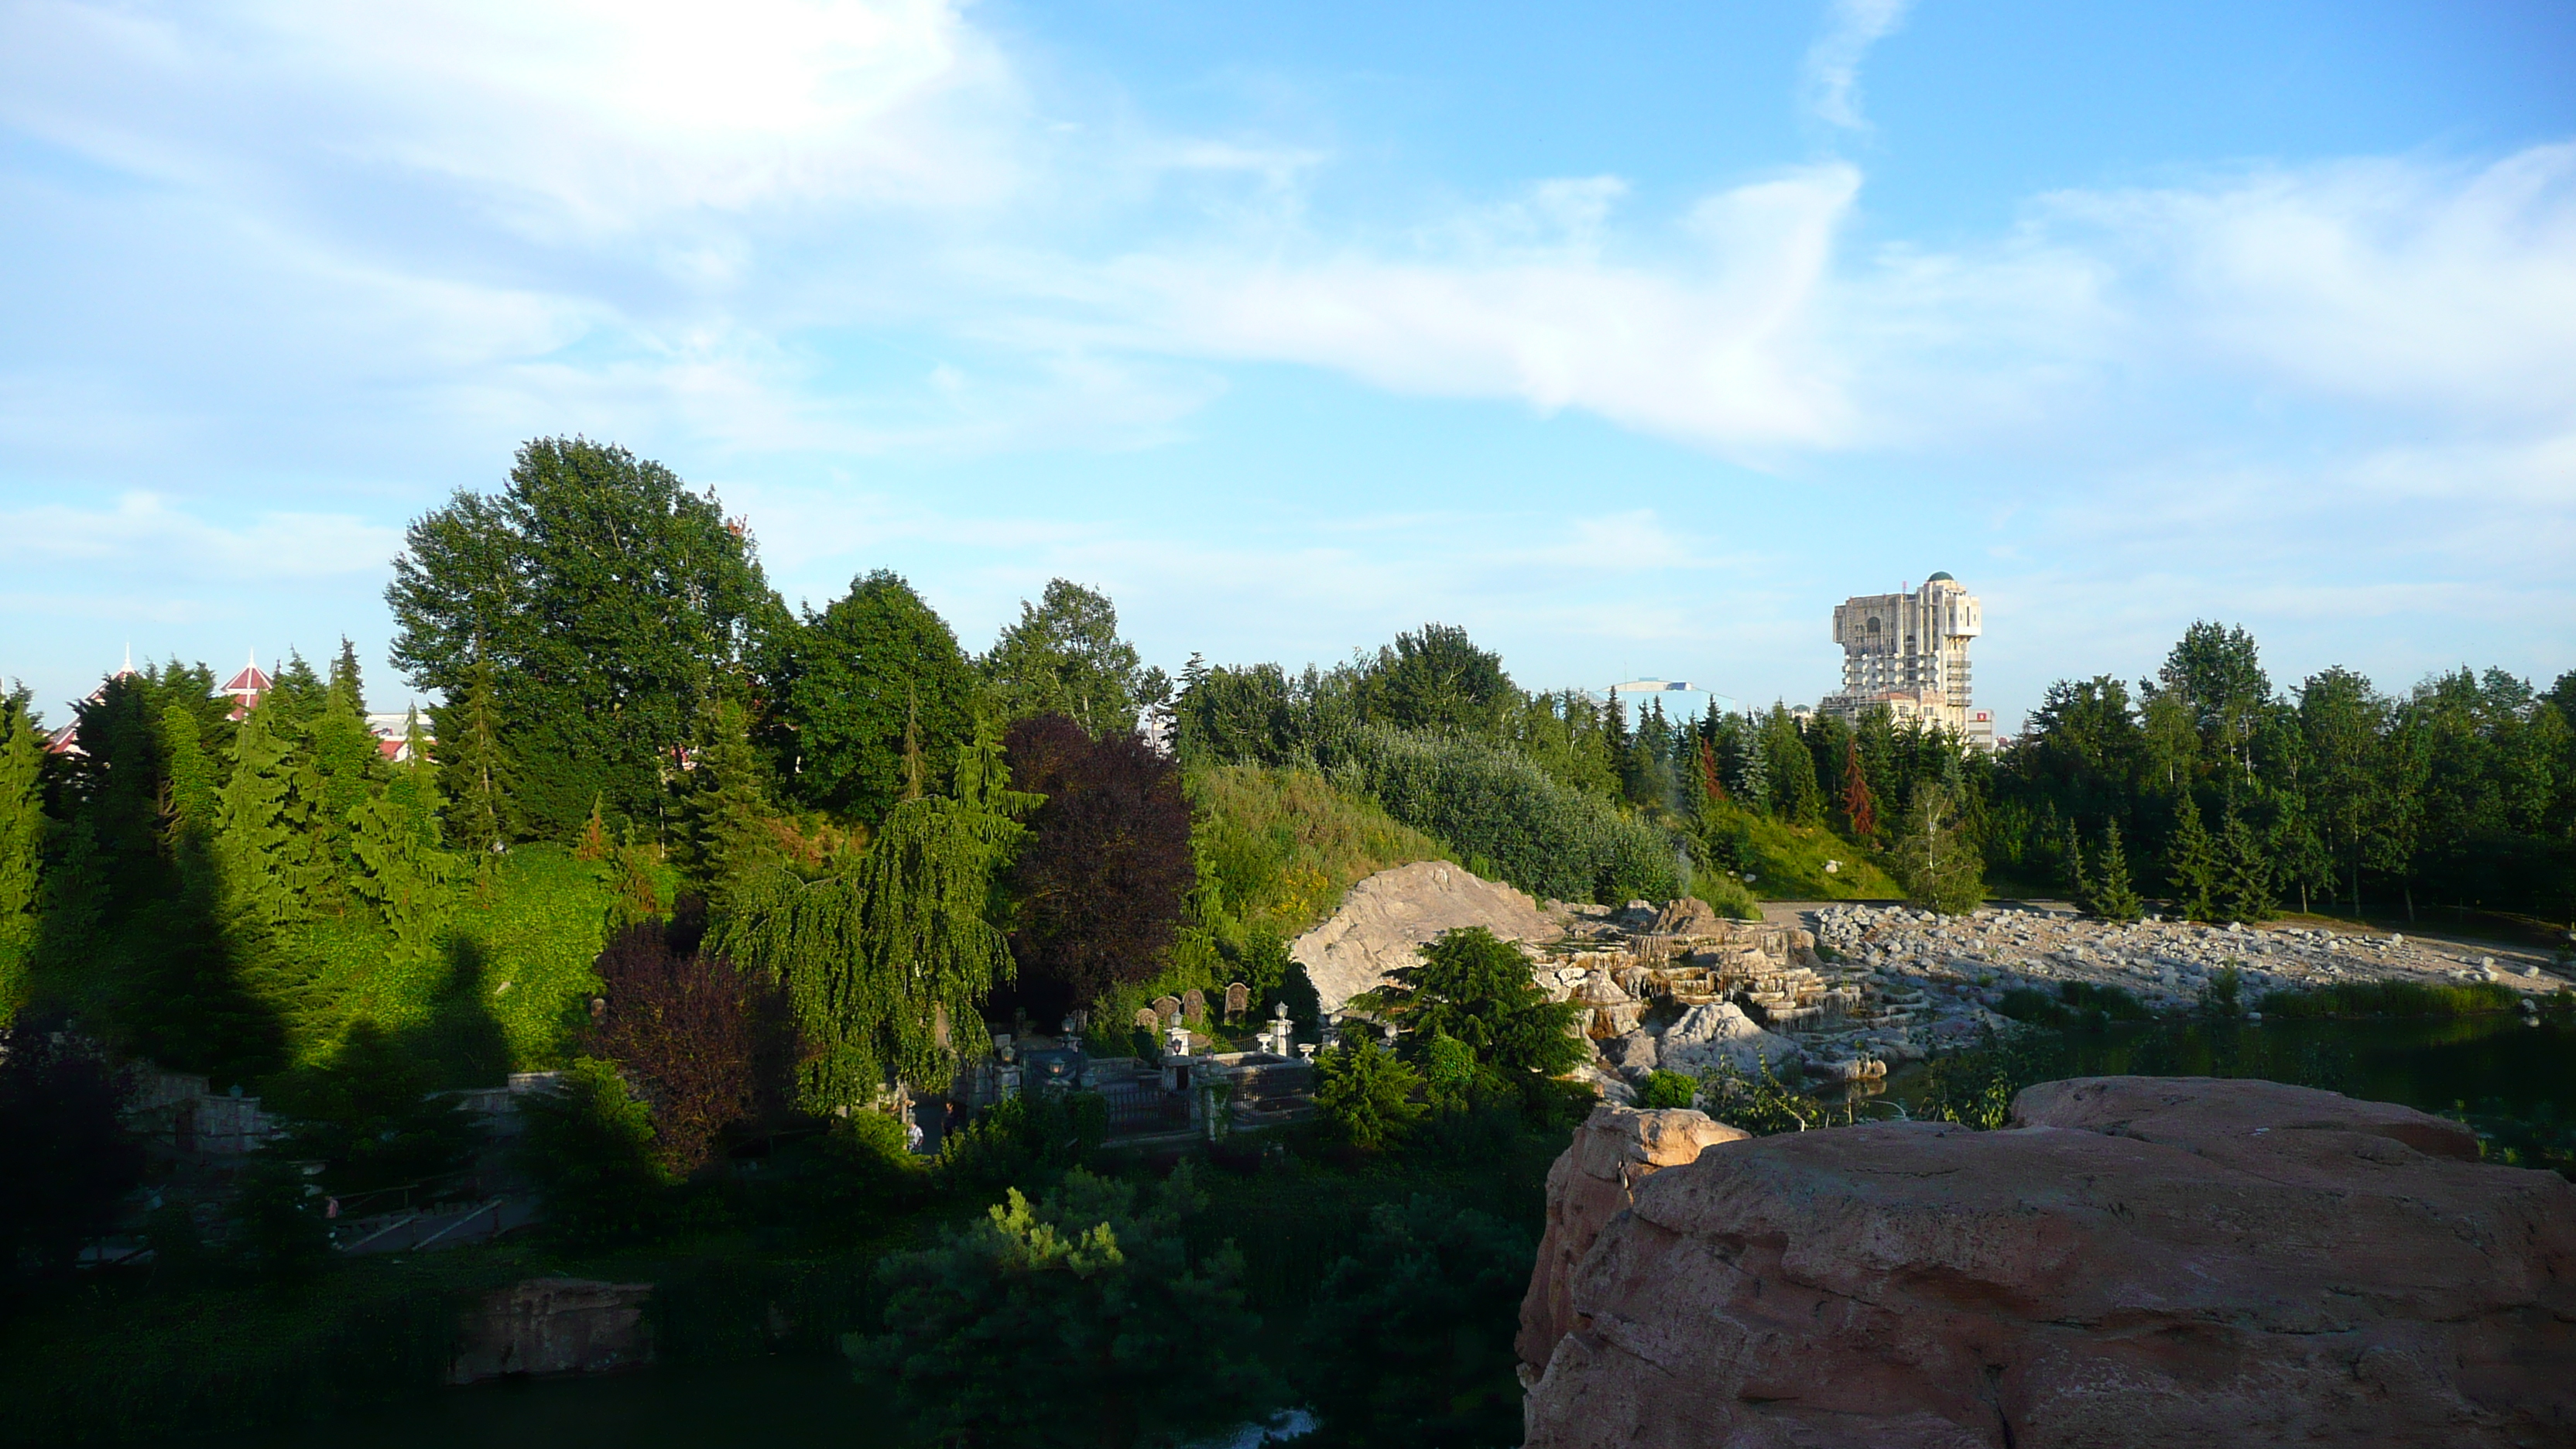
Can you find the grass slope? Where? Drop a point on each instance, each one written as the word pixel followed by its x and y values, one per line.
pixel 1788 864
pixel 1282 846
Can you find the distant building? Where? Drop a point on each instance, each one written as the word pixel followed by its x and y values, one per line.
pixel 248 688
pixel 1907 653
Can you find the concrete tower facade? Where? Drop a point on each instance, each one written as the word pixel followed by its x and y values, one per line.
pixel 1908 654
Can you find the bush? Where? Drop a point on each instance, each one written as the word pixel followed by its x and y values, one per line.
pixel 65 1159
pixel 1668 1089
pixel 1079 1320
pixel 1410 1337
pixel 590 1149
pixel 2076 1004
pixel 1493 805
pixel 1364 1093
pixel 1475 988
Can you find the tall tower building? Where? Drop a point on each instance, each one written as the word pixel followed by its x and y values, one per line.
pixel 1908 654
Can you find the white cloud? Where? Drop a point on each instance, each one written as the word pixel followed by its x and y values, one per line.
pixel 1712 348
pixel 1830 80
pixel 143 535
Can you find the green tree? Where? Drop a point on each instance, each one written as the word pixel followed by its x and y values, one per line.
pixel 2192 864
pixel 589 1148
pixel 1932 857
pixel 727 827
pixel 2217 675
pixel 23 832
pixel 2079 886
pixel 2244 886
pixel 1064 657
pixel 1475 988
pixel 879 962
pixel 875 668
pixel 256 840
pixel 607 598
pixel 1791 770
pixel 1436 678
pixel 1410 1337
pixel 400 869
pixel 1081 1320
pixel 2342 717
pixel 475 771
pixel 1364 1093
pixel 2114 897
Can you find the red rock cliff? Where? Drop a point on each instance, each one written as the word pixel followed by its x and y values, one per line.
pixel 2137 1261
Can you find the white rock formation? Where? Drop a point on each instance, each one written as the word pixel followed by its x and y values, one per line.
pixel 1388 917
pixel 1721 1032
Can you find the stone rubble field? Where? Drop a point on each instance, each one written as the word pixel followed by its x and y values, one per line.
pixel 1871 986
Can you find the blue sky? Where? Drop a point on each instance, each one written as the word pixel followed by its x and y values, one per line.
pixel 1631 338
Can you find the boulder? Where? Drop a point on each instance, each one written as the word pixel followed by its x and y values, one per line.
pixel 1719 1032
pixel 1636 1049
pixel 1389 916
pixel 1592 1182
pixel 554 1326
pixel 1689 916
pixel 2135 1261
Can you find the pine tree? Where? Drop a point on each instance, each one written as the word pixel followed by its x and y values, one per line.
pixel 2244 886
pixel 726 835
pixel 191 804
pixel 401 870
pixel 2079 887
pixel 2193 863
pixel 22 845
pixel 1859 806
pixel 255 836
pixel 475 772
pixel 2114 898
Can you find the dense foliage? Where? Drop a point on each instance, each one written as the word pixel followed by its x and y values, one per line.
pixel 1102 879
pixel 1081 1319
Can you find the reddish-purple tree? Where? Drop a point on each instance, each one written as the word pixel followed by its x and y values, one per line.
pixel 1102 879
pixel 691 1035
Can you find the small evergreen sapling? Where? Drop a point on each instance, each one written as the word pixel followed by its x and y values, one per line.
pixel 2193 864
pixel 2114 897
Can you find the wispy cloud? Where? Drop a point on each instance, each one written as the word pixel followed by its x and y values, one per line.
pixel 1829 83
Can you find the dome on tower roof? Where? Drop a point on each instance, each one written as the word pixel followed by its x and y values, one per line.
pixel 1941 577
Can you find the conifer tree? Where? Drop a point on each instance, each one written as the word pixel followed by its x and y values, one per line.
pixel 256 839
pixel 401 870
pixel 23 829
pixel 725 836
pixel 475 772
pixel 2193 863
pixel 2114 897
pixel 593 844
pixel 878 963
pixel 2244 885
pixel 191 805
pixel 2079 886
pixel 1859 806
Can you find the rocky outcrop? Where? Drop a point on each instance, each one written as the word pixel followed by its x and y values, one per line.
pixel 1592 1182
pixel 554 1326
pixel 1719 1033
pixel 2136 1262
pixel 1389 916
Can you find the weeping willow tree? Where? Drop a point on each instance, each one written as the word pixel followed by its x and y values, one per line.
pixel 879 962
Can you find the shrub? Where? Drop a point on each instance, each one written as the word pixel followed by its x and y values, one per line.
pixel 65 1159
pixel 589 1146
pixel 1490 803
pixel 1364 1093
pixel 1410 1337
pixel 1474 988
pixel 691 1034
pixel 1668 1089
pixel 1078 1320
